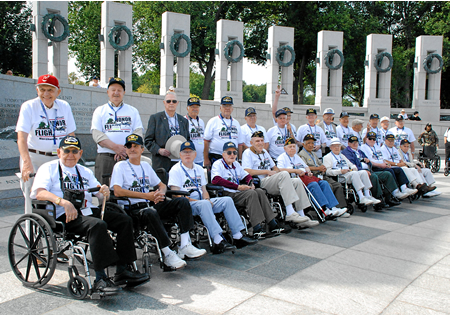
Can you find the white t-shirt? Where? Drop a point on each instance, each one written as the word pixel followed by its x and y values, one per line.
pixel 228 173
pixel 329 132
pixel 447 134
pixel 218 132
pixel 380 134
pixel 338 162
pixel 374 153
pixel 33 120
pixel 253 161
pixel 104 120
pixel 343 133
pixel 358 135
pixel 178 178
pixel 401 134
pixel 295 162
pixel 47 177
pixel 384 132
pixel 390 154
pixel 197 131
pixel 277 137
pixel 247 132
pixel 132 178
pixel 318 133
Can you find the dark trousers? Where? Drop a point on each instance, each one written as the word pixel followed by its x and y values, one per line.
pixel 397 172
pixel 447 152
pixel 388 181
pixel 338 191
pixel 149 220
pixel 102 247
pixel 104 164
pixel 177 208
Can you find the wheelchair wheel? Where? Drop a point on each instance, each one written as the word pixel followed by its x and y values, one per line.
pixel 436 166
pixel 78 287
pixel 32 250
pixel 350 208
pixel 146 265
pixel 363 208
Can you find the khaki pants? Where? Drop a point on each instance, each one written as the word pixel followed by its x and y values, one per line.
pixel 413 176
pixel 290 189
pixel 359 179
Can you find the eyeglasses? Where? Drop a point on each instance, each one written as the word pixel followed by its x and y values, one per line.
pixel 171 101
pixel 232 152
pixel 373 139
pixel 74 151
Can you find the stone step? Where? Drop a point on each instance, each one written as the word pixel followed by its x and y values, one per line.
pixel 10 192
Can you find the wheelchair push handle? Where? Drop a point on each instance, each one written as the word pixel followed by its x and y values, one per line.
pixel 95 189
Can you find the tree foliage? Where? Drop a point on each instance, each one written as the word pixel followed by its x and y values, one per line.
pixel 15 37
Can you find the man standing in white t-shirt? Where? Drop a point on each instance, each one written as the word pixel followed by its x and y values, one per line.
pixel 357 125
pixel 41 125
pixel 111 124
pixel 312 128
pixel 328 126
pixel 373 126
pixel 219 130
pixel 196 127
pixel 277 135
pixel 343 131
pixel 401 132
pixel 250 127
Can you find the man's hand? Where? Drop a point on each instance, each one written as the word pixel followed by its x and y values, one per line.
pixel 243 187
pixel 317 147
pixel 368 173
pixel 278 91
pixel 270 173
pixel 71 212
pixel 401 163
pixel 104 190
pixel 27 169
pixel 419 169
pixel 366 160
pixel 300 172
pixel 206 162
pixel 164 152
pixel 156 196
pixel 121 153
pixel 322 168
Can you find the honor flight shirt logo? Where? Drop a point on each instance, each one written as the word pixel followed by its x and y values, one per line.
pixel 122 124
pixel 225 133
pixel 45 129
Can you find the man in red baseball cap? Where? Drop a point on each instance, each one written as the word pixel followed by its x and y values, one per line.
pixel 41 125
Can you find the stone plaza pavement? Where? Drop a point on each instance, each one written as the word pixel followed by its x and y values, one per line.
pixel 393 262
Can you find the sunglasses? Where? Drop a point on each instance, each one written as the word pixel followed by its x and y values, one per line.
pixel 129 145
pixel 74 151
pixel 373 139
pixel 232 152
pixel 171 101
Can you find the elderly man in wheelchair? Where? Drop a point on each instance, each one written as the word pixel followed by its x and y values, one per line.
pixel 64 183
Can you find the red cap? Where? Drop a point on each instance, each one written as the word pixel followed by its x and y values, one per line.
pixel 49 80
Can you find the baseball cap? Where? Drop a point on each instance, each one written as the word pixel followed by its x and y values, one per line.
pixel 416 112
pixel 404 141
pixel 118 81
pixel 258 134
pixel 94 77
pixel 289 141
pixel 384 118
pixel 48 79
pixel 70 142
pixel 357 122
pixel 226 100
pixel 311 111
pixel 193 101
pixel 229 145
pixel 374 116
pixel 399 117
pixel 309 136
pixel 288 110
pixel 371 134
pixel 344 114
pixel 390 137
pixel 352 139
pixel 187 145
pixel 328 111
pixel 280 112
pixel 335 141
pixel 134 138
pixel 249 111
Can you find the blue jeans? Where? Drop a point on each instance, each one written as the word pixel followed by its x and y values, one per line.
pixel 323 194
pixel 206 212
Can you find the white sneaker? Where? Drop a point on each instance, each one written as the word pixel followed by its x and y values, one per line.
pixel 366 201
pixel 400 195
pixel 296 218
pixel 338 211
pixel 410 191
pixel 191 252
pixel 308 224
pixel 436 193
pixel 172 260
pixel 375 200
pixel 345 215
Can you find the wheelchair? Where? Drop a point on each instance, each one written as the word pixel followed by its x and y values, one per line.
pixel 351 197
pixel 36 240
pixel 429 158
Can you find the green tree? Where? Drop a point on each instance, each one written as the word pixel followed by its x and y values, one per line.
pixel 254 93
pixel 15 37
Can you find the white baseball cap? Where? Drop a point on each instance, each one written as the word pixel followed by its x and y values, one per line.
pixel 384 118
pixel 328 111
pixel 335 141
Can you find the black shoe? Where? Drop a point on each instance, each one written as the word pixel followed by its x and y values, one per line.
pixel 244 241
pixel 221 247
pixel 392 202
pixel 138 283
pixel 260 234
pixel 378 207
pixel 128 277
pixel 277 230
pixel 106 285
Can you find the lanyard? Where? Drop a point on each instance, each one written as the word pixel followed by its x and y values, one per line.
pixel 176 128
pixel 339 161
pixel 330 130
pixel 48 121
pixel 405 156
pixel 141 183
pixel 310 129
pixel 115 111
pixel 391 154
pixel 263 164
pixel 192 180
pixel 312 157
pixel 251 130
pixel 70 178
pixel 285 133
pixel 235 176
pixel 374 151
pixel 228 128
pixel 345 133
pixel 197 128
pixel 378 132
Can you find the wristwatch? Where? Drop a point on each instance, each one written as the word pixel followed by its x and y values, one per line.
pixel 58 200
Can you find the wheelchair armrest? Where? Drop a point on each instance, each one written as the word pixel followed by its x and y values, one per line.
pixel 41 202
pixel 48 214
pixel 170 193
pixel 211 187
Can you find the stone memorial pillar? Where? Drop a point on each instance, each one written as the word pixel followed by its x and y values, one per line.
pixel 377 82
pixel 329 81
pixel 280 74
pixel 172 24
pixel 228 31
pixel 116 14
pixel 427 85
pixel 40 43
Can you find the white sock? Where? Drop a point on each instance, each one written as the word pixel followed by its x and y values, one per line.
pixel 184 239
pixel 289 209
pixel 360 194
pixel 237 235
pixel 166 251
pixel 403 187
pixel 217 238
pixel 301 213
pixel 395 191
pixel 367 193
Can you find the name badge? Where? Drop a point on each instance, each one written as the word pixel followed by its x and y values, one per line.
pixel 54 147
pixel 320 176
pixel 116 128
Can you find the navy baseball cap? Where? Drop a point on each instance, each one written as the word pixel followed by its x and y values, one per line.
pixel 70 142
pixel 229 145
pixel 258 134
pixel 193 101
pixel 374 116
pixel 117 81
pixel 372 135
pixel 404 141
pixel 187 145
pixel 399 117
pixel 344 114
pixel 309 136
pixel 280 112
pixel 311 111
pixel 249 111
pixel 390 137
pixel 353 139
pixel 287 109
pixel 134 138
pixel 226 100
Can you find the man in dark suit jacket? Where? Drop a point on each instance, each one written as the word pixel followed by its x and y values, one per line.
pixel 162 126
pixel 357 157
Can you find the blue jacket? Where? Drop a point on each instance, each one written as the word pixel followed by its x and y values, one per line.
pixel 351 156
